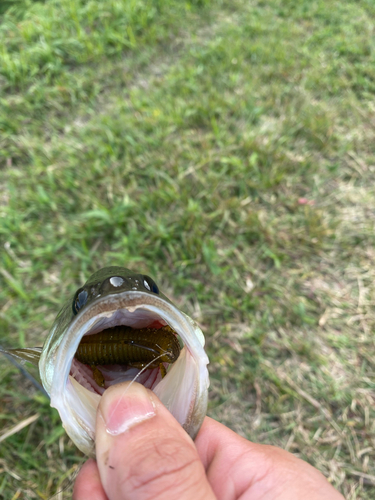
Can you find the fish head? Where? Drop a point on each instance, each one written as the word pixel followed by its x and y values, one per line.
pixel 111 297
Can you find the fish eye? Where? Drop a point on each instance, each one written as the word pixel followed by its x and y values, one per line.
pixel 150 284
pixel 79 300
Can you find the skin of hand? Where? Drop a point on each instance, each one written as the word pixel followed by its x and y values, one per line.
pixel 143 453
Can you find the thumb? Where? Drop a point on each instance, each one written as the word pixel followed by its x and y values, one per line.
pixel 143 452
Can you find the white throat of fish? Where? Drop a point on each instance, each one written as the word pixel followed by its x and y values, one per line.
pixel 184 384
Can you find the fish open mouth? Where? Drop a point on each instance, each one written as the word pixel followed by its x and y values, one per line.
pixel 121 353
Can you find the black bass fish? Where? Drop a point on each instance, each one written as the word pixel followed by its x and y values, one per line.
pixel 120 327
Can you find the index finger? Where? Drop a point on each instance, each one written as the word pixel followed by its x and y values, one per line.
pixel 88 484
pixel 238 468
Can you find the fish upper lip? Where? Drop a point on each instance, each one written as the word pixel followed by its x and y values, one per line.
pixel 130 304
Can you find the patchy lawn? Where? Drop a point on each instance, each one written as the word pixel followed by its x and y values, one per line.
pixel 228 150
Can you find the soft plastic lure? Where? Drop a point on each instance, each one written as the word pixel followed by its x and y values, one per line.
pixel 123 345
pixel 128 346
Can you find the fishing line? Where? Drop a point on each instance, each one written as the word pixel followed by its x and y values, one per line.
pixel 69 481
pixel 134 379
pixel 128 387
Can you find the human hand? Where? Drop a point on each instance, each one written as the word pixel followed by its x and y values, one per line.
pixel 143 453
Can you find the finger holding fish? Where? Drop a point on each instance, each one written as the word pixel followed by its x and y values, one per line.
pixel 161 460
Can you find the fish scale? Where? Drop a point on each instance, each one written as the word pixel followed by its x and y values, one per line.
pixel 125 345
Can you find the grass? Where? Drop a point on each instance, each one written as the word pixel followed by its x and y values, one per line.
pixel 226 149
